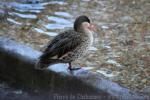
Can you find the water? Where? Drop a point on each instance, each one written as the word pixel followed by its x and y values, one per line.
pixel 122 42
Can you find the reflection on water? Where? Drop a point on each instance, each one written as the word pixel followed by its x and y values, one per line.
pixel 13 21
pixel 48 33
pixel 28 16
pixel 122 43
pixel 59 20
pixel 58 23
pixel 56 26
pixel 64 14
pixel 18 6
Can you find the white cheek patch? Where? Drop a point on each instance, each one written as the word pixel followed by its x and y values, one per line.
pixel 85 25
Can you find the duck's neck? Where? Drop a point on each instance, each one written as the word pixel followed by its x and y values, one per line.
pixel 89 34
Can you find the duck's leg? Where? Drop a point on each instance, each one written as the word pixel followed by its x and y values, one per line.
pixel 70 67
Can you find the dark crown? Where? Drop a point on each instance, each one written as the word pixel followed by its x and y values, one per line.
pixel 79 20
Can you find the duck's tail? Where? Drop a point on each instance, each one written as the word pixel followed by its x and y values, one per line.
pixel 43 62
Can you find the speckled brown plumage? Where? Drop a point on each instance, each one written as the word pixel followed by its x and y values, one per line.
pixel 67 46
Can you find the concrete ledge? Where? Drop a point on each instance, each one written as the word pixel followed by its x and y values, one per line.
pixel 17 68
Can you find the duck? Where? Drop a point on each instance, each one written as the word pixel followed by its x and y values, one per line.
pixel 69 45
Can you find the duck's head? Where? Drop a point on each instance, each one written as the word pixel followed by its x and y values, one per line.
pixel 83 23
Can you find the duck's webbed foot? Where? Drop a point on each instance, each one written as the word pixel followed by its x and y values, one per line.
pixel 71 68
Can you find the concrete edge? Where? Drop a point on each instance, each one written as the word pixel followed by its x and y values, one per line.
pixel 26 56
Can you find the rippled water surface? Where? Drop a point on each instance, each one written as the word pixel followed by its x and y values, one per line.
pixel 121 51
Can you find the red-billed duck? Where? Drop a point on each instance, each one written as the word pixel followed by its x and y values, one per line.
pixel 68 45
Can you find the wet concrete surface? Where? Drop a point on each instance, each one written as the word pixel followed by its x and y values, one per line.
pixel 17 69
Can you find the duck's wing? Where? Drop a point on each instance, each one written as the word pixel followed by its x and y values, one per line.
pixel 59 37
pixel 62 45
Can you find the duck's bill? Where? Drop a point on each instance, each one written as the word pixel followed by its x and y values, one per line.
pixel 93 27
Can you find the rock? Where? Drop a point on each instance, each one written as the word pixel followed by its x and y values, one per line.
pixel 126 19
pixel 3 15
pixel 146 90
pixel 30 1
